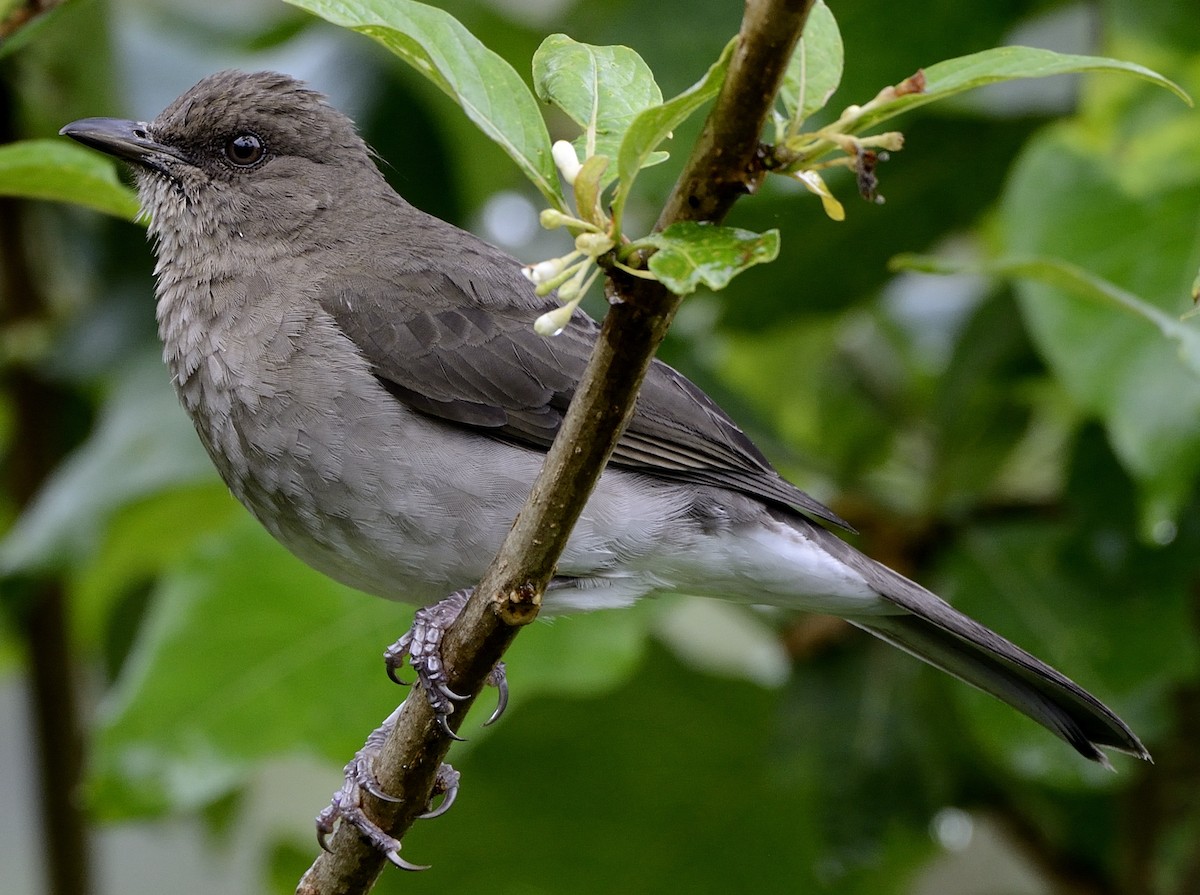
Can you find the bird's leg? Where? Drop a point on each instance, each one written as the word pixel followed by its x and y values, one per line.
pixel 422 645
pixel 347 802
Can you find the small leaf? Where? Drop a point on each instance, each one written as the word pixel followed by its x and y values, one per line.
pixel 963 73
pixel 654 125
pixel 816 185
pixel 486 87
pixel 65 172
pixel 602 89
pixel 815 69
pixel 690 254
pixel 589 186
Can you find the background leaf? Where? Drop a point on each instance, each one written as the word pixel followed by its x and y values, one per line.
pixel 1067 278
pixel 143 444
pixel 280 658
pixel 171 741
pixel 1068 189
pixel 487 88
pixel 56 169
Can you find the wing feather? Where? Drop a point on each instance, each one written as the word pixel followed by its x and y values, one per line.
pixel 463 349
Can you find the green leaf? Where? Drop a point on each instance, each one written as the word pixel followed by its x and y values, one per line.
pixel 1064 196
pixel 487 88
pixel 602 89
pixel 604 653
pixel 815 69
pixel 691 254
pixel 724 639
pixel 655 124
pixel 1069 278
pixel 140 540
pixel 964 73
pixel 703 727
pixel 65 172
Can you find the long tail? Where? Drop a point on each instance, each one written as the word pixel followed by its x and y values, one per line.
pixel 934 631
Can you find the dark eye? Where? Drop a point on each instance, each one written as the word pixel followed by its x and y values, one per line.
pixel 245 150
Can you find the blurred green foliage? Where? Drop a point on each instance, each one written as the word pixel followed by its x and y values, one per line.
pixel 1031 455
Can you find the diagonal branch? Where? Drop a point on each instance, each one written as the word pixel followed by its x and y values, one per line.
pixel 725 164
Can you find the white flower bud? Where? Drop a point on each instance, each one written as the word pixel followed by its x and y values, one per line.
pixel 543 271
pixel 565 157
pixel 554 322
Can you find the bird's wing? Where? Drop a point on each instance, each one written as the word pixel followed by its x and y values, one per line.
pixel 458 347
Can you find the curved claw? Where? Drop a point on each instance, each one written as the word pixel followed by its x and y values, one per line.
pixel 394 857
pixel 323 840
pixel 364 774
pixel 394 656
pixel 501 701
pixel 444 723
pixel 445 690
pixel 451 795
pixel 371 785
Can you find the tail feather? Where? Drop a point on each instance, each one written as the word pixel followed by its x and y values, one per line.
pixel 932 630
pixel 987 661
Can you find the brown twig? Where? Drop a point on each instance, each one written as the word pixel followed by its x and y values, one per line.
pixel 22 15
pixel 724 166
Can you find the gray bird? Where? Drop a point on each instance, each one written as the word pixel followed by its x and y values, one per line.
pixel 369 384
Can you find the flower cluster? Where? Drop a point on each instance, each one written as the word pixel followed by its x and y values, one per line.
pixel 573 273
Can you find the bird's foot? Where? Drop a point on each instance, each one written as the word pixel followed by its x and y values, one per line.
pixel 347 803
pixel 422 646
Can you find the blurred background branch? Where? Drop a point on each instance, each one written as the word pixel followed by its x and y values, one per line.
pixel 39 605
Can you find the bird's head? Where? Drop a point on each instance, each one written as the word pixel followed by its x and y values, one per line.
pixel 239 155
